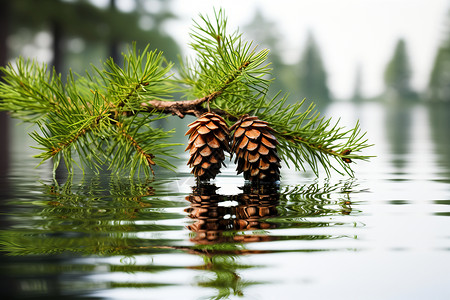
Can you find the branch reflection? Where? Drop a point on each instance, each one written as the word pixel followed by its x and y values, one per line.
pixel 219 218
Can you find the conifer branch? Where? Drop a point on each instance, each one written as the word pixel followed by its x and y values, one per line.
pixel 106 116
pixel 304 137
pixel 131 140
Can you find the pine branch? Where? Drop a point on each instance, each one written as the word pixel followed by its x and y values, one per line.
pixel 224 63
pixel 137 145
pixel 79 117
pixel 306 138
pixel 106 116
pixel 132 141
pixel 194 107
pixel 28 90
pixel 144 76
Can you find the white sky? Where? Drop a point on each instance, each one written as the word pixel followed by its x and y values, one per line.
pixel 349 32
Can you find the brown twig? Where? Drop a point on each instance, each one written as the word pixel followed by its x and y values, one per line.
pixel 180 108
pixel 186 107
pixel 194 107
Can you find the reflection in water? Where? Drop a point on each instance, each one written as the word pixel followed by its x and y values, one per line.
pixel 220 231
pixel 104 238
pixel 100 232
pixel 215 221
pixel 398 131
pixel 223 225
pixel 85 219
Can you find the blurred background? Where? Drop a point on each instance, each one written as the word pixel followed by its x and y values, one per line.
pixel 395 53
pixel 321 50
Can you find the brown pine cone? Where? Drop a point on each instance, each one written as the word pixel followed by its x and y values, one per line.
pixel 209 137
pixel 255 149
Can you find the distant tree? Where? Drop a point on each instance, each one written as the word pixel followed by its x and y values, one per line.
pixel 4 24
pixel 265 32
pixel 439 83
pixel 80 18
pixel 357 91
pixel 4 124
pixel 397 75
pixel 312 74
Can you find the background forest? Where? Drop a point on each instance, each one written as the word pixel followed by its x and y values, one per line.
pixel 73 34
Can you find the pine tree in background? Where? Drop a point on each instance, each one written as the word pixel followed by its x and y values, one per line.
pixel 268 36
pixel 107 117
pixel 397 76
pixel 357 91
pixel 439 84
pixel 313 77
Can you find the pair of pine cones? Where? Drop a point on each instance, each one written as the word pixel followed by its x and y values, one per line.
pixel 251 140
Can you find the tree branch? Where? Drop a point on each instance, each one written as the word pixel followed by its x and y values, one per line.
pixel 130 139
pixel 180 108
pixel 185 107
pixel 194 107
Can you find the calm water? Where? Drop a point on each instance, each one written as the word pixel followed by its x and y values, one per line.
pixel 384 234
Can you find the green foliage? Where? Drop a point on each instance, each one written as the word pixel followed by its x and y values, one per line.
pixel 142 77
pixel 225 64
pixel 97 118
pixel 106 116
pixel 305 137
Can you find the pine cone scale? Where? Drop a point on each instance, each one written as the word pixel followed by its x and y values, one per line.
pixel 206 151
pixel 203 130
pixel 220 135
pixel 252 133
pixel 240 131
pixel 213 142
pixel 263 150
pixel 251 146
pixel 267 143
pixel 199 141
pixel 212 126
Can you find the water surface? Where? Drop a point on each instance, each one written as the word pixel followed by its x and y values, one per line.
pixel 384 234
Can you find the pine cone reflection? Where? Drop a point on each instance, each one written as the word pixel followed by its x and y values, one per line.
pixel 212 220
pixel 255 205
pixel 209 216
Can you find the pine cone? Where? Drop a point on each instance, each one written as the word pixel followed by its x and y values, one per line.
pixel 255 149
pixel 209 137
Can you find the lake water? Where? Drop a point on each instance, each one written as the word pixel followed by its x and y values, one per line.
pixel 384 234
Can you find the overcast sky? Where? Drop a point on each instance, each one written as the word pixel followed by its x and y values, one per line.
pixel 349 32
